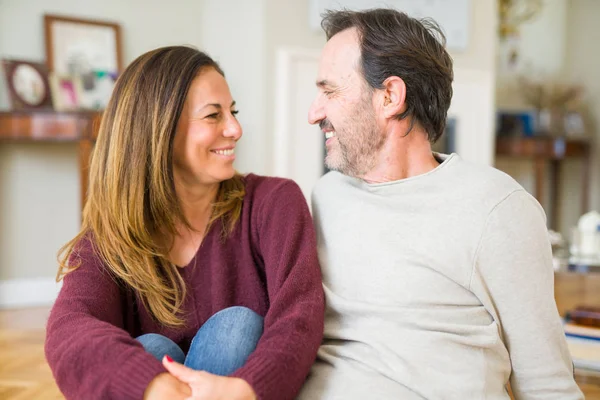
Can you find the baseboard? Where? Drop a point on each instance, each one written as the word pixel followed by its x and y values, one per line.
pixel 35 292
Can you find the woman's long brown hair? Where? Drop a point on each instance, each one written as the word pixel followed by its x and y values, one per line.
pixel 132 209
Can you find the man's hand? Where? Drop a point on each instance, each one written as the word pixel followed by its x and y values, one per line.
pixel 206 386
pixel 166 386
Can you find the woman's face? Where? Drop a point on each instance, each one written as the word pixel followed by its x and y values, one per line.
pixel 207 132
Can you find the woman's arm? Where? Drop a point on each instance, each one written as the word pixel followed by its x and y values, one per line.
pixel 89 352
pixel 293 326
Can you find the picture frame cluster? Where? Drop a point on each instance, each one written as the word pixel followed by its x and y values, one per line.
pixel 83 61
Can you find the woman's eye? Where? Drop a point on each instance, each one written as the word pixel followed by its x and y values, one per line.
pixel 215 115
pixel 236 112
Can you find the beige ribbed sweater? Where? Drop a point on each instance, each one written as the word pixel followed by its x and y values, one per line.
pixel 438 286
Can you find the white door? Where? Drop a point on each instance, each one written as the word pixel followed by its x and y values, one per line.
pixel 299 146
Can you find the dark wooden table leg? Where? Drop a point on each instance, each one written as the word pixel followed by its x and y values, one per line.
pixel 555 198
pixel 585 181
pixel 540 179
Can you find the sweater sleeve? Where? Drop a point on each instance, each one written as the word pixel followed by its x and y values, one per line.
pixel 514 263
pixel 87 348
pixel 293 326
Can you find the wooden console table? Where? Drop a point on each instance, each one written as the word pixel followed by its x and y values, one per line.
pixel 52 126
pixel 545 150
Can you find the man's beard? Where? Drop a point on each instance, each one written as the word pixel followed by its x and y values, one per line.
pixel 358 144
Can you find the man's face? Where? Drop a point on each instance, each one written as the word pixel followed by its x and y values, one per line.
pixel 344 109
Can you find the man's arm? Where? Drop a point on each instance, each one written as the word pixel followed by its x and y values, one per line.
pixel 513 268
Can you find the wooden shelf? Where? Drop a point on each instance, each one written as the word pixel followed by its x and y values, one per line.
pixel 550 148
pixel 544 150
pixel 51 126
pixel 47 125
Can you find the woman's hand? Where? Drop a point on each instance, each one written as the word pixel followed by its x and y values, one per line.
pixel 166 386
pixel 206 386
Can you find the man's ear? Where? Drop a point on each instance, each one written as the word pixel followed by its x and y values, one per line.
pixel 393 96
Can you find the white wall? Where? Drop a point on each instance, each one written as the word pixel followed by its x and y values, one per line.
pixel 39 192
pixel 583 66
pixel 234 33
pixel 481 52
pixel 39 207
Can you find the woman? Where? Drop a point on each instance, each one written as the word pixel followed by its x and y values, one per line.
pixel 181 259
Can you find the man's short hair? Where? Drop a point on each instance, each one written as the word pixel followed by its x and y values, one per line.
pixel 394 44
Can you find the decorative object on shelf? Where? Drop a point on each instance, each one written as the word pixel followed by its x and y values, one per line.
pixel 560 252
pixel 96 90
pixel 514 123
pixel 66 92
pixel 27 84
pixel 574 124
pixel 585 241
pixel 87 48
pixel 558 105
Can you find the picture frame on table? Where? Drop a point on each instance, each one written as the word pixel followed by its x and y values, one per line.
pixel 27 84
pixel 89 49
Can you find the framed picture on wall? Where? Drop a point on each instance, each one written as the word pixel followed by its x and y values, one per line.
pixel 27 84
pixel 86 48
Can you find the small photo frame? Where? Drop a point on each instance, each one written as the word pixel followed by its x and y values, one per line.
pixel 66 92
pixel 27 84
pixel 575 124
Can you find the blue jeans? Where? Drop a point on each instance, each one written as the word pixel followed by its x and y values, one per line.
pixel 221 346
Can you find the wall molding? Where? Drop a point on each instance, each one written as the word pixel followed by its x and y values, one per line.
pixel 34 292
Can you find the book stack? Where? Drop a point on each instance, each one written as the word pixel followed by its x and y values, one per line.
pixel 582 329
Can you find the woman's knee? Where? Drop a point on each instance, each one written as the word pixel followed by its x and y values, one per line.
pixel 238 313
pixel 159 346
pixel 225 341
pixel 237 320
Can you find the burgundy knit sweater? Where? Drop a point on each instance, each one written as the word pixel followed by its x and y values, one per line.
pixel 268 264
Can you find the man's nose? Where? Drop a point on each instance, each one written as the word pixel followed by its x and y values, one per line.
pixel 316 113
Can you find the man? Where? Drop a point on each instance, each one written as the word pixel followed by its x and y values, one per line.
pixel 437 272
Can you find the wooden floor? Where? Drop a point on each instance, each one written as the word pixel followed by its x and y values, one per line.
pixel 24 374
